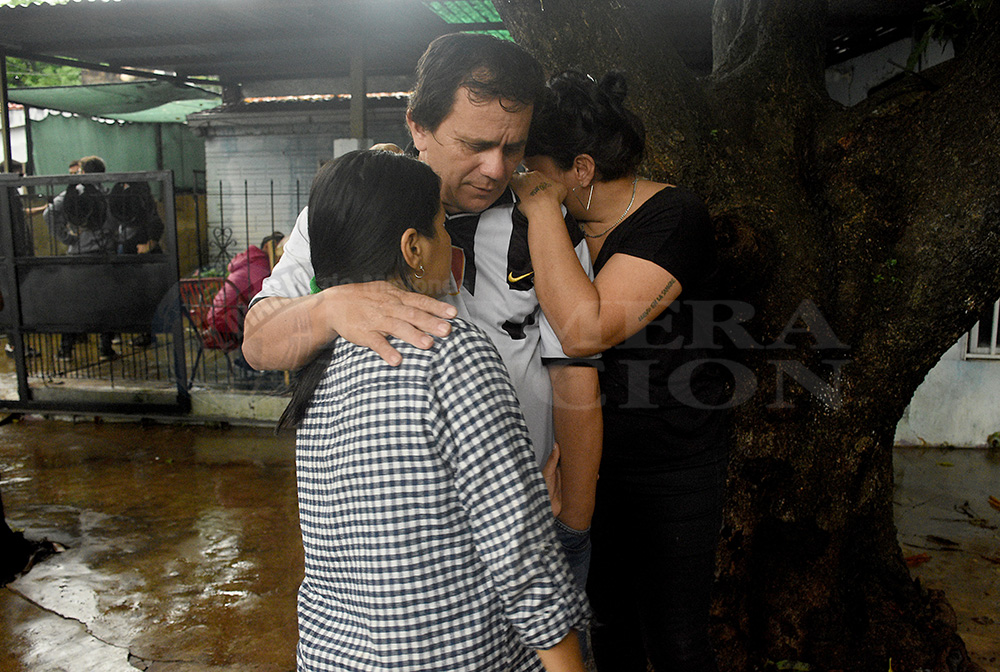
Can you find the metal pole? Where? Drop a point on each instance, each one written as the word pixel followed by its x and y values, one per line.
pixel 358 88
pixel 29 142
pixel 7 158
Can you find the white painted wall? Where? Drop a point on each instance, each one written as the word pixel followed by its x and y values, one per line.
pixel 849 82
pixel 247 154
pixel 247 166
pixel 958 403
pixel 18 143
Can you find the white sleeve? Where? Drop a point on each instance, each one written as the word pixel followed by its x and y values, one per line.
pixel 551 348
pixel 290 277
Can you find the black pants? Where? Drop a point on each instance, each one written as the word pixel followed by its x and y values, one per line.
pixel 654 535
pixel 14 550
pixel 104 343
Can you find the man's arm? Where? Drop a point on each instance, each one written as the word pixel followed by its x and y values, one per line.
pixel 579 429
pixel 56 221
pixel 282 334
pixel 287 326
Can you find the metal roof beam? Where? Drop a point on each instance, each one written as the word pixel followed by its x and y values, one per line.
pixel 102 67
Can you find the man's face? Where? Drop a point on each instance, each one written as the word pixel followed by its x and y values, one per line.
pixel 474 151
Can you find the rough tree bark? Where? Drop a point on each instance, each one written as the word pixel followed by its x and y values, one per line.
pixel 886 218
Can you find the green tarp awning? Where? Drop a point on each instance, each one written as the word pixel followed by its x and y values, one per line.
pixel 147 101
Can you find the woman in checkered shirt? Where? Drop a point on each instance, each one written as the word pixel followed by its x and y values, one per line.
pixel 428 534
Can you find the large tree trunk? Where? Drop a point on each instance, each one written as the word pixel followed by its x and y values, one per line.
pixel 885 220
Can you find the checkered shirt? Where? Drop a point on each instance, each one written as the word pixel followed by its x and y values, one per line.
pixel 429 542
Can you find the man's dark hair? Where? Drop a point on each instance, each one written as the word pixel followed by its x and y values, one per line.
pixel 490 68
pixel 86 206
pixel 130 202
pixel 92 164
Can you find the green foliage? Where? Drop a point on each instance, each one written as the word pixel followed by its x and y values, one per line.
pixel 23 74
pixel 951 20
pixel 888 274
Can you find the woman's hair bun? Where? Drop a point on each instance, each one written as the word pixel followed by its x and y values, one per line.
pixel 614 86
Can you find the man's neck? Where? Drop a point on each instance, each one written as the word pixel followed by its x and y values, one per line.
pixel 451 211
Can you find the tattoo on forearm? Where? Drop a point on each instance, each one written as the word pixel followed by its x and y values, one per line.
pixel 657 300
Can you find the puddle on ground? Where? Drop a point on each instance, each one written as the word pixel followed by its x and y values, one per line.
pixel 183 543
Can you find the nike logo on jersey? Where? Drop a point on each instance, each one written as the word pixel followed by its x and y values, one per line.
pixel 511 279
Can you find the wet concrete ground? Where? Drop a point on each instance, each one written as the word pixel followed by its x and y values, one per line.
pixel 948 530
pixel 184 553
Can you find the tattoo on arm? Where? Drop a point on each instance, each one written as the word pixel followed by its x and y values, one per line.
pixel 541 187
pixel 657 300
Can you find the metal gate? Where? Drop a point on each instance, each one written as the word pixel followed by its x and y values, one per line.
pixel 62 310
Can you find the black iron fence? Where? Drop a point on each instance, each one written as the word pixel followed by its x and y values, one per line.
pixel 98 315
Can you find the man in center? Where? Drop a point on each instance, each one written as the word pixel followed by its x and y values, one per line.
pixel 468 117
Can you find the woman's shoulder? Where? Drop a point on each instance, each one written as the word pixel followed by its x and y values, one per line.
pixel 462 325
pixel 670 196
pixel 466 347
pixel 466 336
pixel 466 341
pixel 670 209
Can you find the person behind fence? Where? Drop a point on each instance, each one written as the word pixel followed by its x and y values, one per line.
pixel 137 221
pixel 137 226
pixel 428 532
pixel 22 239
pixel 23 234
pixel 666 436
pixel 244 276
pixel 78 218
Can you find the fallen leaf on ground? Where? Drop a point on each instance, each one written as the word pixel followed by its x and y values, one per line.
pixel 983 620
pixel 918 559
pixel 966 510
pixel 941 541
pixel 994 502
